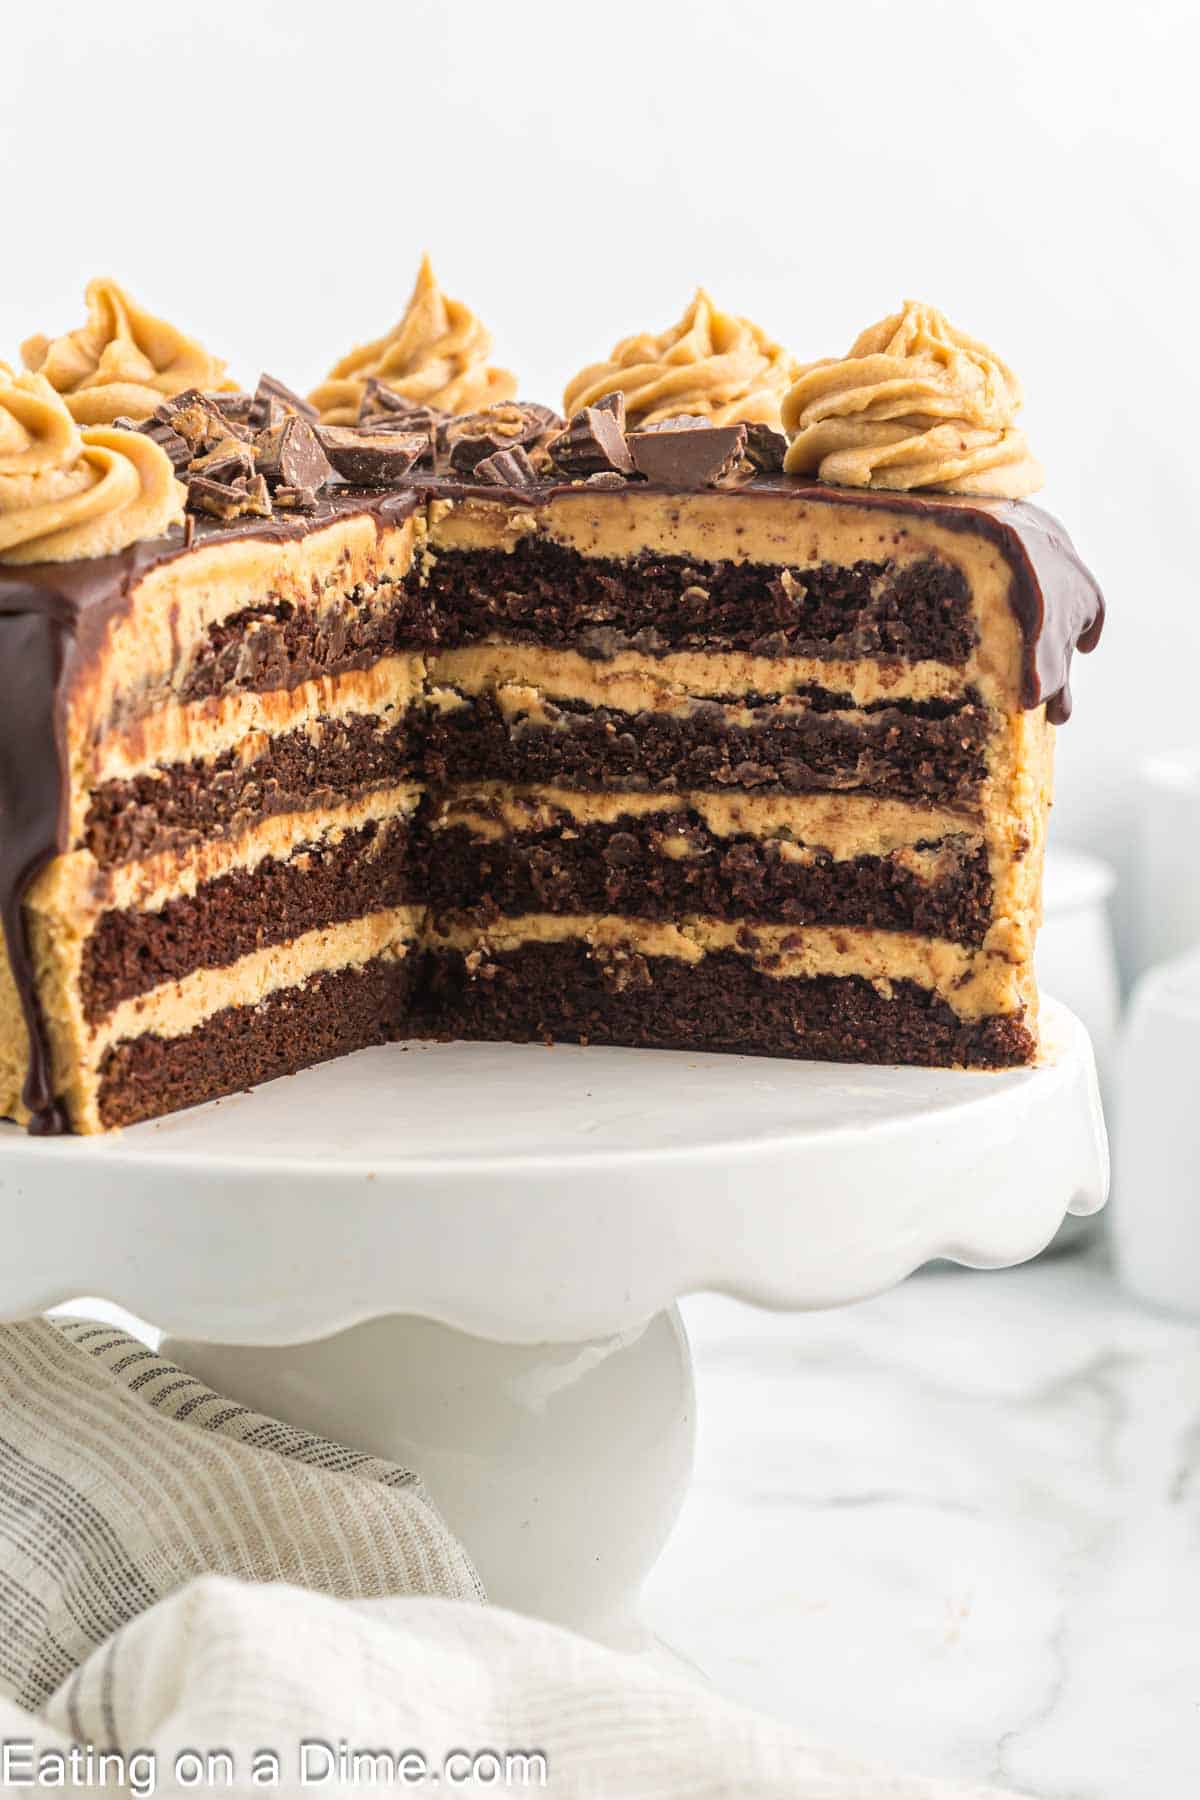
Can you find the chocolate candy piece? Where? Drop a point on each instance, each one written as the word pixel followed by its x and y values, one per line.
pixel 613 403
pixel 507 468
pixel 543 417
pixel 290 455
pixel 229 461
pixel 765 449
pixel 592 444
pixel 295 499
pixel 234 407
pixel 225 501
pixel 468 439
pixel 195 419
pixel 418 420
pixel 680 422
pixel 164 436
pixel 371 458
pixel 273 401
pixel 258 499
pixel 378 397
pixel 687 453
pixel 414 421
pixel 380 401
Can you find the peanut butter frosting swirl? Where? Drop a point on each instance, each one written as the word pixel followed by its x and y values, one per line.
pixel 914 404
pixel 436 356
pixel 66 494
pixel 123 362
pixel 711 363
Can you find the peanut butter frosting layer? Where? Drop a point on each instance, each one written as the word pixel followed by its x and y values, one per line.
pixel 68 495
pixel 975 984
pixel 123 361
pixel 711 363
pixel 779 524
pixel 915 403
pixel 633 682
pixel 840 825
pixel 436 356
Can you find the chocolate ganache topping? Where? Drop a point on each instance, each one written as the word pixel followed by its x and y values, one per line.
pixel 913 404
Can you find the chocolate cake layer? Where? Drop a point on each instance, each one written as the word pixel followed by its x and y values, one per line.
pixel 659 868
pixel 566 992
pixel 279 644
pixel 329 1015
pixel 130 952
pixel 933 752
pixel 542 592
pixel 342 757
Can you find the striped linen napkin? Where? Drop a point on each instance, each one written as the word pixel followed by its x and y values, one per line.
pixel 194 1598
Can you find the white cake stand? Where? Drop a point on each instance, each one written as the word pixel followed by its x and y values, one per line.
pixel 467 1257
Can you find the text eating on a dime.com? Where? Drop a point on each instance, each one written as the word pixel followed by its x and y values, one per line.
pixel 311 1764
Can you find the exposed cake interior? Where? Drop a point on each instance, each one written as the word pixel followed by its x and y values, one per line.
pixel 758 746
pixel 754 770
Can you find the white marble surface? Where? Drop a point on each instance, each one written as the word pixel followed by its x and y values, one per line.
pixel 956 1529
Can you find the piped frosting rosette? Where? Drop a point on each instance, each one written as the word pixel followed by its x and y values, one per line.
pixel 123 362
pixel 436 356
pixel 712 363
pixel 914 404
pixel 66 494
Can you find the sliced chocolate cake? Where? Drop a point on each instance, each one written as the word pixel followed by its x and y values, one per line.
pixel 500 725
pixel 209 766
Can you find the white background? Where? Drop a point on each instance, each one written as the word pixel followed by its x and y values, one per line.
pixel 266 175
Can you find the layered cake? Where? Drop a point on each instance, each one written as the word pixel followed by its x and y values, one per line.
pixel 715 713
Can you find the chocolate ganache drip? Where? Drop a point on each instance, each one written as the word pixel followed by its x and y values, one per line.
pixel 50 619
pixel 31 805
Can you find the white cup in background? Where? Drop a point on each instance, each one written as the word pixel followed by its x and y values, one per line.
pixel 1077 964
pixel 1076 955
pixel 1155 1220
pixel 1166 912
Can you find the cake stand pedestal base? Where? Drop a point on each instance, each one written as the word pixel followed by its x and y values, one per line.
pixel 466 1257
pixel 562 1466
